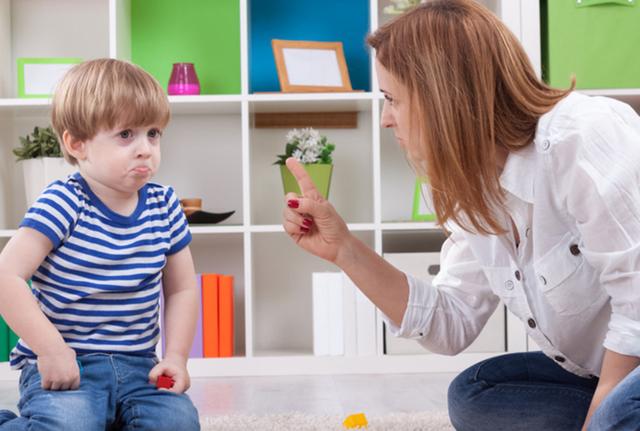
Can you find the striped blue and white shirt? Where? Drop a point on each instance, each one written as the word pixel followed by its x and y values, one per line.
pixel 101 283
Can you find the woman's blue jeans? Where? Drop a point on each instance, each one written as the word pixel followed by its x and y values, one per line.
pixel 529 391
pixel 114 394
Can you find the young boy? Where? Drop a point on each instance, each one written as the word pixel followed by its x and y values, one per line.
pixel 99 248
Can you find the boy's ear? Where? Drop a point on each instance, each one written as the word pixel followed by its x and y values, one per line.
pixel 73 146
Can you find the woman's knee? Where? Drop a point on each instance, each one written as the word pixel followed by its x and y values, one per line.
pixel 460 398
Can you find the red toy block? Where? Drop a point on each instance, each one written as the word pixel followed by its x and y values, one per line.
pixel 164 382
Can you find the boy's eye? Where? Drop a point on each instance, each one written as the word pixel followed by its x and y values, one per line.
pixel 126 134
pixel 154 133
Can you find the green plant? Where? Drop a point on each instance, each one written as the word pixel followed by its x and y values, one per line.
pixel 42 142
pixel 308 147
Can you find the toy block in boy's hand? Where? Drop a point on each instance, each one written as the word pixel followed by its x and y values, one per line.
pixel 164 382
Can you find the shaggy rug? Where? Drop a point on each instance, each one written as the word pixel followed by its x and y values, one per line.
pixel 427 421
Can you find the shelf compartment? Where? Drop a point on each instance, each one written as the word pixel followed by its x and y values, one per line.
pixel 202 157
pixel 81 30
pixel 203 32
pixel 311 20
pixel 352 173
pixel 224 254
pixel 282 307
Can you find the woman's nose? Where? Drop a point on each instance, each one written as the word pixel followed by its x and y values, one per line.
pixel 386 119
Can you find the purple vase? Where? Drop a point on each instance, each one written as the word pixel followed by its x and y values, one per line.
pixel 183 80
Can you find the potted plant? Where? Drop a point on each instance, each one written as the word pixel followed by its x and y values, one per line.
pixel 42 161
pixel 314 152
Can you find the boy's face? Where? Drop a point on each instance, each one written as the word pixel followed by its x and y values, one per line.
pixel 122 159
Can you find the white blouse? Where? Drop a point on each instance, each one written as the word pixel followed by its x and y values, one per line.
pixel 574 279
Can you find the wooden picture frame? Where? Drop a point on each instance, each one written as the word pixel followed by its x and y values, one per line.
pixel 421 210
pixel 307 67
pixel 37 77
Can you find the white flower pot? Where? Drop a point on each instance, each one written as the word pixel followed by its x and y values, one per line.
pixel 40 172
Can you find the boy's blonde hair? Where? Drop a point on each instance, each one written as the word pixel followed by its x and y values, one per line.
pixel 105 94
pixel 475 93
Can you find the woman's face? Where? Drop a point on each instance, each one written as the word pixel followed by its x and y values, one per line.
pixel 396 111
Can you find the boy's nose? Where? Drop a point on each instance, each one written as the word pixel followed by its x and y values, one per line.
pixel 144 148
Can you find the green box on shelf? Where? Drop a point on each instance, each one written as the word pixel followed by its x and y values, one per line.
pixel 203 32
pixel 595 40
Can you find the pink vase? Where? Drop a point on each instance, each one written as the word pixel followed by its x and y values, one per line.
pixel 183 80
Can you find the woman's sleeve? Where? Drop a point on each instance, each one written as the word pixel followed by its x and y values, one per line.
pixel 447 314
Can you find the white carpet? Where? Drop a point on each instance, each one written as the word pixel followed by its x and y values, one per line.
pixel 427 421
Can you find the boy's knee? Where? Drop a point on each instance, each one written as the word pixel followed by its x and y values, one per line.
pixel 174 412
pixel 66 410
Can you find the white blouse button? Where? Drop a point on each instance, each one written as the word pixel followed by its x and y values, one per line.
pixel 508 285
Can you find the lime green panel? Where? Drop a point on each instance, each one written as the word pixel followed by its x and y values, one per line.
pixel 597 40
pixel 203 32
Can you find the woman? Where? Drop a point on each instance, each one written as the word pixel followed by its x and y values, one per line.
pixel 538 189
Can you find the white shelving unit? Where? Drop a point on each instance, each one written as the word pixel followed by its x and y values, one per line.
pixel 212 150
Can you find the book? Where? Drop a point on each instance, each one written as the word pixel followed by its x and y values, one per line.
pixel 210 325
pixel 333 282
pixel 350 316
pixel 196 347
pixel 320 302
pixel 225 314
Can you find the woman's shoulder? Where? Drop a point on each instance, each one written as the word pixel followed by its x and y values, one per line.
pixel 578 117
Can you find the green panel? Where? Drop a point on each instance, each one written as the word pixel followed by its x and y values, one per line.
pixel 597 40
pixel 203 32
pixel 4 341
pixel 13 339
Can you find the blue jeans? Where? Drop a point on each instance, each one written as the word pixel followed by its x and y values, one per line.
pixel 520 391
pixel 114 394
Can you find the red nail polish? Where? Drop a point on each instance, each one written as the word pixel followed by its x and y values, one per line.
pixel 293 203
pixel 307 222
pixel 304 229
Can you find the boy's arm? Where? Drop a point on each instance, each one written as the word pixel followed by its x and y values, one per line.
pixel 20 258
pixel 181 302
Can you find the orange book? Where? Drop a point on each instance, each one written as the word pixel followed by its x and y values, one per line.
pixel 210 323
pixel 225 302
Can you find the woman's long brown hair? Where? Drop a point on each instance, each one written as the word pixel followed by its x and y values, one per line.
pixel 474 92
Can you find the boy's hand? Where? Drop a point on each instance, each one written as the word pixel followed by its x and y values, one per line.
pixel 174 368
pixel 59 370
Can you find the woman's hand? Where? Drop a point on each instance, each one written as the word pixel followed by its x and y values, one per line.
pixel 59 370
pixel 311 220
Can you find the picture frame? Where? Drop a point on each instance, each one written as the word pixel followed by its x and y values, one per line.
pixel 38 76
pixel 422 202
pixel 307 67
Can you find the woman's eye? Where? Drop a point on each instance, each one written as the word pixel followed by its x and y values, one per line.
pixel 126 134
pixel 388 99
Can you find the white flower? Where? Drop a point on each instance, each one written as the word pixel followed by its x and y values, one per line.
pixel 308 145
pixel 298 154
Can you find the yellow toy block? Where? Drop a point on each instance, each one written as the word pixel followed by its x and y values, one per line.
pixel 358 420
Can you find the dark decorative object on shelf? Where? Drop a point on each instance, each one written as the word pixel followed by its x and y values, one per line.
pixel 203 217
pixel 193 210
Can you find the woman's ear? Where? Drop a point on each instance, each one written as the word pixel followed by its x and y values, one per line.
pixel 73 146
